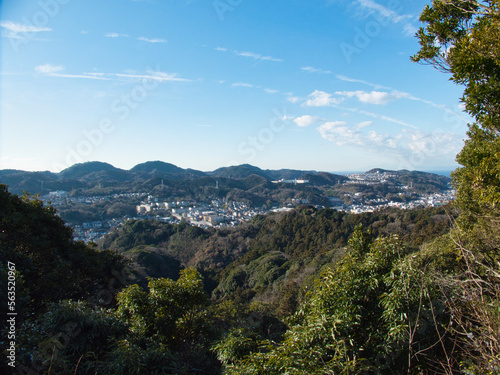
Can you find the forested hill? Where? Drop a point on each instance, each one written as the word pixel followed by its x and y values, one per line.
pixel 101 178
pixel 270 256
pixel 312 291
pixel 170 298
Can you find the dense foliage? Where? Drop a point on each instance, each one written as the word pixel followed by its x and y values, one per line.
pixel 254 279
pixel 49 264
pixel 306 292
pixel 461 37
pixel 273 257
pixel 375 312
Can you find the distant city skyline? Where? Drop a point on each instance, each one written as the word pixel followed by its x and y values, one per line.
pixel 324 85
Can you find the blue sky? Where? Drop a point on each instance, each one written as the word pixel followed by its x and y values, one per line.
pixel 322 84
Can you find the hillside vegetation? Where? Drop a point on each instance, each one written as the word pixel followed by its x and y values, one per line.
pixel 307 292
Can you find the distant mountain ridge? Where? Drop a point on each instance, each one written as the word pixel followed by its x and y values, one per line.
pixel 151 173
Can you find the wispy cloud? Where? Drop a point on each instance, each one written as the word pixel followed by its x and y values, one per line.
pixel 49 69
pixel 385 13
pixel 242 84
pixel 153 75
pixel 403 95
pixel 257 56
pixel 355 80
pixel 18 31
pixel 116 35
pixel 409 29
pixel 141 38
pixel 271 91
pixel 251 55
pixel 54 71
pixel 379 117
pixel 311 69
pixel 22 28
pixel 84 76
pixel 154 40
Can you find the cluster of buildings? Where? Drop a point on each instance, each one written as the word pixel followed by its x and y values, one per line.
pixel 94 230
pixel 406 197
pixel 217 213
pixel 221 213
pixel 295 182
pixel 370 178
pixel 425 200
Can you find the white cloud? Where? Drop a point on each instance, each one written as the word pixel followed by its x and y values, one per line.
pixel 373 97
pixel 116 35
pixel 249 54
pixel 293 99
pixel 386 13
pixel 49 69
pixel 270 91
pixel 363 124
pixel 151 40
pixel 419 142
pixel 321 99
pixel 407 142
pixel 386 118
pixel 341 134
pixel 257 56
pixel 85 76
pixel 376 97
pixel 252 55
pixel 306 120
pixel 155 76
pixel 355 80
pixel 311 69
pixel 409 29
pixel 21 28
pixel 338 132
pixel 52 70
pixel 242 84
pixel 383 11
pixel 405 95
